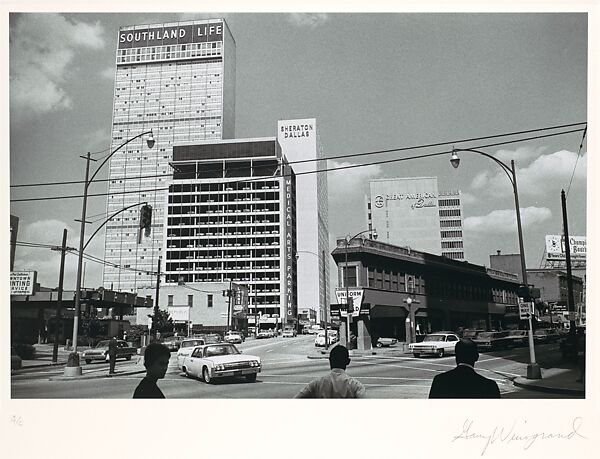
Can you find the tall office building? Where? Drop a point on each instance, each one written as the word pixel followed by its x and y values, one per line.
pixel 300 144
pixel 178 80
pixel 411 212
pixel 231 217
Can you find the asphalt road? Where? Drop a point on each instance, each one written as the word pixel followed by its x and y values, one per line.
pixel 286 369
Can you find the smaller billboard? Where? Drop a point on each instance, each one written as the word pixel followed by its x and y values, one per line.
pixel 555 247
pixel 179 313
pixel 22 282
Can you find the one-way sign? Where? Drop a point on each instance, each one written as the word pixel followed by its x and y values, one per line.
pixel 525 310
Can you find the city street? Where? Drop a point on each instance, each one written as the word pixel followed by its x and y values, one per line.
pixel 285 370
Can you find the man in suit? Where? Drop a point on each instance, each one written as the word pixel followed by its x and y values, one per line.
pixel 463 381
pixel 112 355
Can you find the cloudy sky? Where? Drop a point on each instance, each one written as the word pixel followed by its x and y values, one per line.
pixel 372 81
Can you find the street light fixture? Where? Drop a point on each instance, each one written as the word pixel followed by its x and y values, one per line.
pixel 533 369
pixel 348 240
pixel 73 368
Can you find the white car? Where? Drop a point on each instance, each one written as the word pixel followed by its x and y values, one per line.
pixel 186 347
pixel 438 344
pixel 233 337
pixel 320 339
pixel 218 361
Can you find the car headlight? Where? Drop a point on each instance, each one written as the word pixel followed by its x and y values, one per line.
pixel 219 367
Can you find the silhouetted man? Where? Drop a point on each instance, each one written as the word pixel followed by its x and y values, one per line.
pixel 463 381
pixel 337 384
pixel 156 361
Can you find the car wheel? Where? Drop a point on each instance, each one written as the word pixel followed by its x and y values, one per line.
pixel 206 376
pixel 128 357
pixel 440 353
pixel 251 378
pixel 416 354
pixel 88 361
pixel 185 372
pixel 379 344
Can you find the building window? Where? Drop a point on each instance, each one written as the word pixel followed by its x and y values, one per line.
pixel 190 300
pixel 351 276
pixel 410 284
pixel 169 300
pixel 209 299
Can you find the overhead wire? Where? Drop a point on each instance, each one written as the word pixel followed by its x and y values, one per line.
pixel 576 161
pixel 330 169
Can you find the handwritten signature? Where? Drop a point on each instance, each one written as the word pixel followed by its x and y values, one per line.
pixel 504 435
pixel 17 421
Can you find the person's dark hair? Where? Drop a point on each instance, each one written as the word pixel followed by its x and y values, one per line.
pixel 466 351
pixel 154 351
pixel 339 357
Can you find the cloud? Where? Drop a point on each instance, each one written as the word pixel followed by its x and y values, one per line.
pixel 505 221
pixel 467 198
pixel 351 184
pixel 546 174
pixel 108 73
pixel 521 155
pixel 310 20
pixel 47 262
pixel 42 46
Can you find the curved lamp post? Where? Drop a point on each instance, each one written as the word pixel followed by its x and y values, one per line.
pixel 73 367
pixel 349 314
pixel 533 369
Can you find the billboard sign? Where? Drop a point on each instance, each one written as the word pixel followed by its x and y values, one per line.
pixel 158 36
pixel 179 313
pixel 22 282
pixel 239 299
pixel 555 247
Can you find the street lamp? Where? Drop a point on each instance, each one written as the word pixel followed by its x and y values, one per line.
pixel 73 368
pixel 348 302
pixel 533 369
pixel 324 289
pixel 410 319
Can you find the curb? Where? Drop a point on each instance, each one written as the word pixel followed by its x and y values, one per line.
pixel 99 376
pixel 526 384
pixel 41 365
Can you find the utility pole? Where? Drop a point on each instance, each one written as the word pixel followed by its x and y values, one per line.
pixel 324 301
pixel 229 305
pixel 61 276
pixel 570 297
pixel 156 309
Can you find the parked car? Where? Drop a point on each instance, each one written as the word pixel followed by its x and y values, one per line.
pixel 492 341
pixel 262 334
pixel 320 339
pixel 213 361
pixel 546 335
pixel 470 333
pixel 289 333
pixel 186 348
pixel 385 342
pixel 234 337
pixel 438 344
pixel 569 344
pixel 173 342
pixel 100 352
pixel 518 337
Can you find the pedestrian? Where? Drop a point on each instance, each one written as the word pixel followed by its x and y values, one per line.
pixel 124 335
pixel 156 361
pixel 337 384
pixel 112 355
pixel 463 381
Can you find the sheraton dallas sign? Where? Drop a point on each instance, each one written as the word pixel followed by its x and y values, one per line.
pixel 158 36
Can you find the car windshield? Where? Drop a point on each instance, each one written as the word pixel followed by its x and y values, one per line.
pixel 102 344
pixel 223 349
pixel 434 338
pixel 191 343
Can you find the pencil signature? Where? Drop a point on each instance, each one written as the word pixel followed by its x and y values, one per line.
pixel 516 433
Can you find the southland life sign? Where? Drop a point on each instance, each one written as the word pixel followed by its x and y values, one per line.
pixel 158 36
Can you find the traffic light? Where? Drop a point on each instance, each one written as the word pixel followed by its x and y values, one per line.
pixel 350 302
pixel 524 292
pixel 146 218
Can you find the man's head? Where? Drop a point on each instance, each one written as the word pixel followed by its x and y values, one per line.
pixel 466 352
pixel 156 360
pixel 338 357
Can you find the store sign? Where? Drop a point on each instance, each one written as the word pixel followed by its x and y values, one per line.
pixel 22 282
pixel 179 313
pixel 240 299
pixel 356 295
pixel 158 36
pixel 296 131
pixel 555 247
pixel 416 200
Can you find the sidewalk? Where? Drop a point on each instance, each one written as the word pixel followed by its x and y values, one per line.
pixel 554 380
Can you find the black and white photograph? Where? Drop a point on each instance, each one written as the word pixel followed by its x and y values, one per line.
pixel 238 206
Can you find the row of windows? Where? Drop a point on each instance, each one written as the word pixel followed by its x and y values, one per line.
pixel 450 213
pixel 447 234
pixel 188 51
pixel 452 244
pixel 454 255
pixel 450 223
pixel 449 202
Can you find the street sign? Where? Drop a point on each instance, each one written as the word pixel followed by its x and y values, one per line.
pixel 525 310
pixel 356 296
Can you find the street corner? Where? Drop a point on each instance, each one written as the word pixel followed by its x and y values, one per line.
pixel 554 380
pixel 98 375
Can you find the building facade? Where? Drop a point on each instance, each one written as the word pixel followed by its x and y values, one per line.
pixel 411 212
pixel 177 80
pixel 231 217
pixel 300 144
pixel 445 294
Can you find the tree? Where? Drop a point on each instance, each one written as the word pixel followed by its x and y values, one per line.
pixel 161 321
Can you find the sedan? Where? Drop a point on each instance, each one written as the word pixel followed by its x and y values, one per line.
pixel 320 339
pixel 491 341
pixel 262 334
pixel 438 344
pixel 234 337
pixel 173 343
pixel 288 333
pixel 186 348
pixel 213 361
pixel 100 352
pixel 518 337
pixel 385 342
pixel 546 335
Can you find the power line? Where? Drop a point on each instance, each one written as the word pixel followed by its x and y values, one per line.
pixel 576 160
pixel 352 155
pixel 350 166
